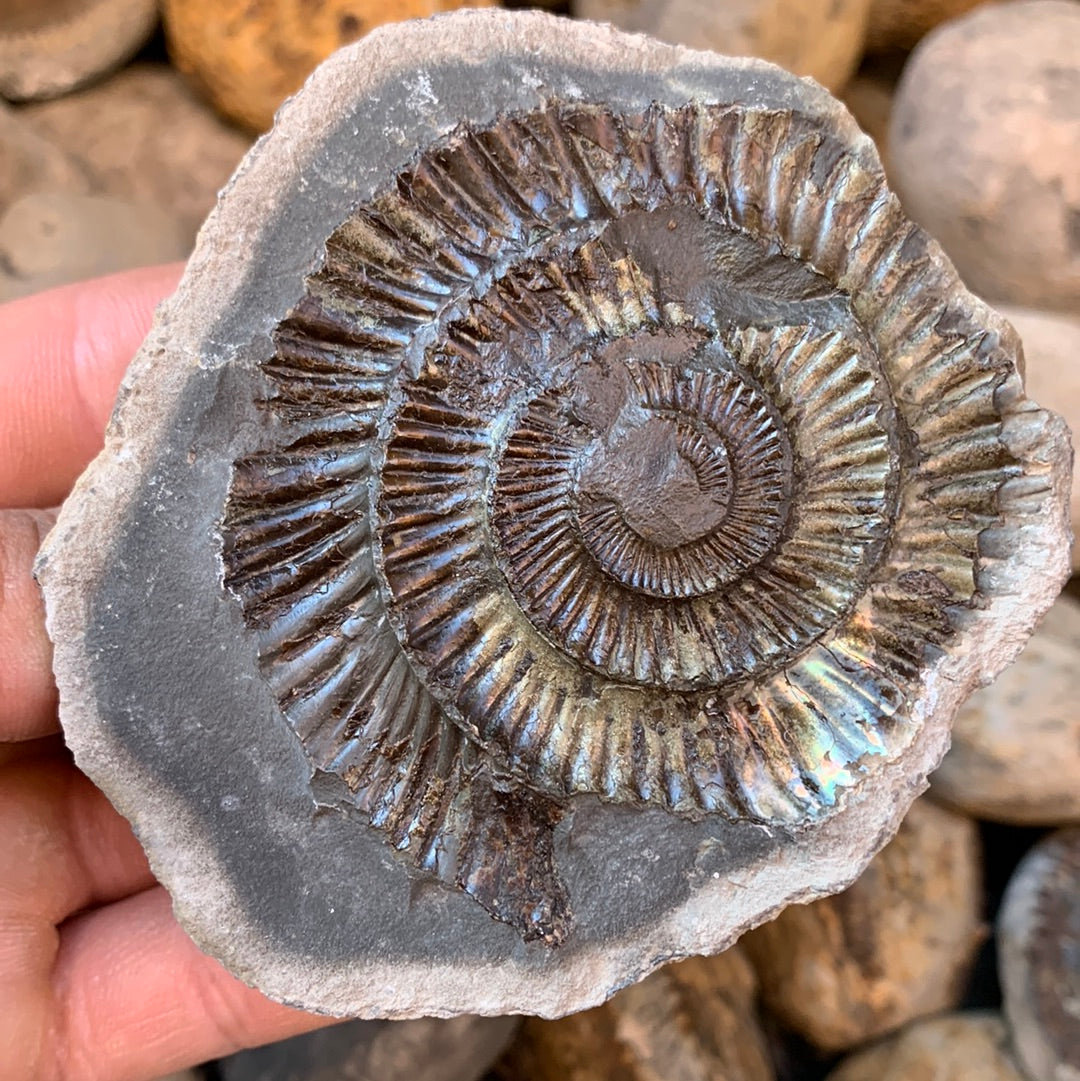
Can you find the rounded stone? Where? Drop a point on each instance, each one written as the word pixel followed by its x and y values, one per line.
pixel 423 1049
pixel 1015 754
pixel 901 24
pixel 982 149
pixel 344 616
pixel 1038 937
pixel 869 96
pixel 897 945
pixel 52 238
pixel 958 1047
pixel 819 38
pixel 693 1019
pixel 48 47
pixel 248 58
pixel 33 163
pixel 143 136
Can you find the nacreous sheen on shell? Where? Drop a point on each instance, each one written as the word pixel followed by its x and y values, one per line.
pixel 565 489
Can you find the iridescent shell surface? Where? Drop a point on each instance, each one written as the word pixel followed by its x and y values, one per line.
pixel 635 454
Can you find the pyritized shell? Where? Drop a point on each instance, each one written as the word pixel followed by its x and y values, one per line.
pixel 635 454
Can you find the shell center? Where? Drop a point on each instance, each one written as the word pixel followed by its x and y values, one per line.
pixel 669 479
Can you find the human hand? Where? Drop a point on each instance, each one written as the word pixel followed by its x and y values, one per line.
pixel 97 980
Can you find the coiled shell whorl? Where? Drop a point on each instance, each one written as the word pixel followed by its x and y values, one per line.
pixel 609 454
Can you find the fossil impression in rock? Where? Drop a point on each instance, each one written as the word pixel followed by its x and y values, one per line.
pixel 565 489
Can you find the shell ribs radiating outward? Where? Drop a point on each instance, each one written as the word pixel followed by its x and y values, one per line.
pixel 634 454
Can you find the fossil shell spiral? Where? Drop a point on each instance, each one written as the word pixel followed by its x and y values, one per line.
pixel 598 459
pixel 615 457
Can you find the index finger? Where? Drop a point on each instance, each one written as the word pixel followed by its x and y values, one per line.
pixel 62 356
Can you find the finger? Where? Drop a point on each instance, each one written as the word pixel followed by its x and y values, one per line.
pixel 64 850
pixel 27 690
pixel 135 998
pixel 51 746
pixel 63 354
pixel 65 847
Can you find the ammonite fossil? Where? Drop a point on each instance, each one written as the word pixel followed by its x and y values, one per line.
pixel 552 527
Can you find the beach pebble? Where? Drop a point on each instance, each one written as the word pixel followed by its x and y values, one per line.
pixel 31 162
pixel 1015 754
pixel 899 24
pixel 1038 937
pixel 983 149
pixel 819 38
pixel 692 1020
pixel 248 58
pixel 869 97
pixel 425 1049
pixel 896 945
pixel 53 238
pixel 143 136
pixel 958 1047
pixel 49 47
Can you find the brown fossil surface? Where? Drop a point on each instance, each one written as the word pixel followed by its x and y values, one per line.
pixel 49 46
pixel 1038 937
pixel 691 1021
pixel 897 945
pixel 956 1047
pixel 551 528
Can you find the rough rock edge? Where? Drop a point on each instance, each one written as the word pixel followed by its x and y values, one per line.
pixel 836 850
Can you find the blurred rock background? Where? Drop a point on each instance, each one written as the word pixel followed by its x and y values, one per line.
pixel 119 122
